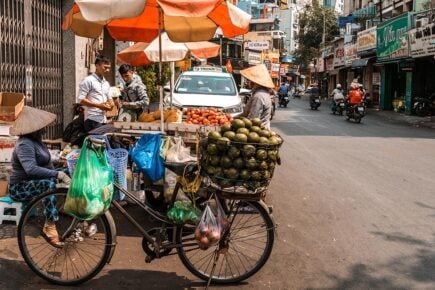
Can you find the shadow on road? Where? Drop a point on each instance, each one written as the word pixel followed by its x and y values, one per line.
pixel 17 275
pixel 415 268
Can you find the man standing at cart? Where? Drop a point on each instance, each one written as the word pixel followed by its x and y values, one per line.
pixel 134 95
pixel 94 95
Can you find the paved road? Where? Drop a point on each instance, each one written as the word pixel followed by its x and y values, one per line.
pixel 355 205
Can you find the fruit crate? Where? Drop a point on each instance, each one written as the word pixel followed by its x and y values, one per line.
pixel 188 132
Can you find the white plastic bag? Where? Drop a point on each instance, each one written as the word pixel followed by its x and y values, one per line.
pixel 208 232
pixel 179 152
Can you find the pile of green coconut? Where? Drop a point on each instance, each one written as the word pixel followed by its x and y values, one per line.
pixel 242 153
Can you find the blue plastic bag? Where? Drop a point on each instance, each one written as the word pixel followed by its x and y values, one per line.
pixel 146 155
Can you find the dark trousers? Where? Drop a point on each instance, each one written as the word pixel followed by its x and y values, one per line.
pixel 90 125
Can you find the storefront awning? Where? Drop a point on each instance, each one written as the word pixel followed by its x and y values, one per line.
pixel 360 62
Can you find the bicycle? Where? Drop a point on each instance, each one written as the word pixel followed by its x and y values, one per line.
pixel 243 249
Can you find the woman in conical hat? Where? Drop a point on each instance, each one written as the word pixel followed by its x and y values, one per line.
pixel 32 170
pixel 260 103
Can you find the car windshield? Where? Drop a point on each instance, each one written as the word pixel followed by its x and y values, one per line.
pixel 201 84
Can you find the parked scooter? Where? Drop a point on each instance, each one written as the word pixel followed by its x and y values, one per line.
pixel 355 112
pixel 424 106
pixel 338 108
pixel 283 100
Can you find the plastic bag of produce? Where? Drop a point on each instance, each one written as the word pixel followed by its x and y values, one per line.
pixel 183 212
pixel 91 190
pixel 146 155
pixel 222 219
pixel 208 232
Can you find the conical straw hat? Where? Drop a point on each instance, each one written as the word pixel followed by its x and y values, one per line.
pixel 259 75
pixel 31 120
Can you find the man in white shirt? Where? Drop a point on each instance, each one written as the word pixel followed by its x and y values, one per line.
pixel 94 95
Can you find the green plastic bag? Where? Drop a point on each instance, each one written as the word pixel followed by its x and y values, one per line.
pixel 183 212
pixel 91 189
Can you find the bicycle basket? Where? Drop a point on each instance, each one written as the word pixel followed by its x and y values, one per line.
pixel 236 167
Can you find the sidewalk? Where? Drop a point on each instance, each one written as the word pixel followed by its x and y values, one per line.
pixel 402 118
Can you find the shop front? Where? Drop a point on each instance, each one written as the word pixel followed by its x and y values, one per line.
pixel 395 65
pixel 337 75
pixel 364 65
pixel 422 46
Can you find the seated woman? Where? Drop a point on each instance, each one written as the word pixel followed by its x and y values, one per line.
pixel 32 170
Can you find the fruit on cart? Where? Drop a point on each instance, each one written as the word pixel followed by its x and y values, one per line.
pixel 210 116
pixel 170 116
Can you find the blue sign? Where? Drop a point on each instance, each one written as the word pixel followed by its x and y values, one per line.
pixel 343 20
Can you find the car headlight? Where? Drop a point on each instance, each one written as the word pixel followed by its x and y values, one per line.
pixel 234 110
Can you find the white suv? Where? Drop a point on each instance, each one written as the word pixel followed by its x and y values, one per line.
pixel 207 86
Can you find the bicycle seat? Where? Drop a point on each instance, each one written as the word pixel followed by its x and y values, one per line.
pixel 181 168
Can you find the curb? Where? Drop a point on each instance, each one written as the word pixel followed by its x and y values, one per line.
pixel 425 122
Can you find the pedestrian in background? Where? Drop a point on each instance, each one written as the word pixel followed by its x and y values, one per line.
pixel 94 95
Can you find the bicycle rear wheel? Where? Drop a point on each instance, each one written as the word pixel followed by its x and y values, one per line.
pixel 80 258
pixel 241 252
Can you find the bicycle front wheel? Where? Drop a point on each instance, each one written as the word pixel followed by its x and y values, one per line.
pixel 242 250
pixel 84 252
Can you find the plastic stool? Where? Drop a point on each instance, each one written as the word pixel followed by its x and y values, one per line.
pixel 4 205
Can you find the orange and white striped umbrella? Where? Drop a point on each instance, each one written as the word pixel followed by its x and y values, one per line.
pixel 143 53
pixel 141 21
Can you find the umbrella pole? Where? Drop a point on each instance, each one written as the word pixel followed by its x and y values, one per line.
pixel 160 85
pixel 172 81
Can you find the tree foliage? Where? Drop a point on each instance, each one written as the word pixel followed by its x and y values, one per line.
pixel 312 24
pixel 149 75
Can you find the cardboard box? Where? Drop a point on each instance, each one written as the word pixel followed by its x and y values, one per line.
pixel 3 188
pixel 11 105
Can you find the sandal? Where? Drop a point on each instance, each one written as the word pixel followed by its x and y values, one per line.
pixel 49 233
pixel 54 241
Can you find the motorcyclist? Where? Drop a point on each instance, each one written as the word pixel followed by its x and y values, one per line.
pixel 337 95
pixel 283 91
pixel 355 95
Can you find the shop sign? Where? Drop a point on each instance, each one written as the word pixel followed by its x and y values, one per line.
pixel 329 63
pixel 350 53
pixel 283 69
pixel 422 41
pixel 366 39
pixel 327 51
pixel 392 38
pixel 257 45
pixel 339 53
pixel 254 57
pixel 274 71
pixel 320 67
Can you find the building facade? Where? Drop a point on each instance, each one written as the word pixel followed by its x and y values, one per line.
pixel 388 47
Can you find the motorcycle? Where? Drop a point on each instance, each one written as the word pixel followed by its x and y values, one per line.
pixel 355 112
pixel 315 103
pixel 338 108
pixel 424 106
pixel 283 100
